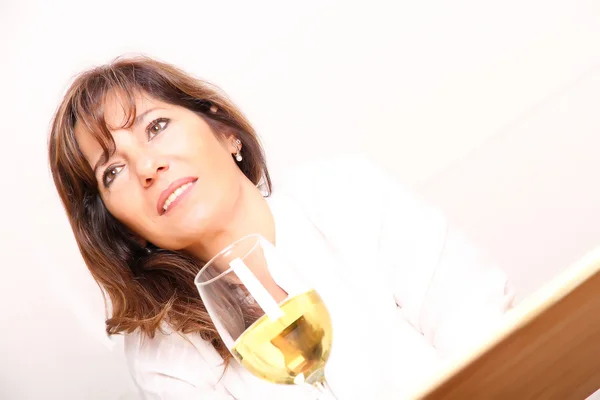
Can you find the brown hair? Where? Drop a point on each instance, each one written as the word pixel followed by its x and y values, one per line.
pixel 145 285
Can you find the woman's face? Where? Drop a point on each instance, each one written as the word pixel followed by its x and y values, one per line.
pixel 170 180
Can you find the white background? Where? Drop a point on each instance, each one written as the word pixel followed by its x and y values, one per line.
pixel 489 109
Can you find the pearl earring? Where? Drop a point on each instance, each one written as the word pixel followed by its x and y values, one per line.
pixel 238 154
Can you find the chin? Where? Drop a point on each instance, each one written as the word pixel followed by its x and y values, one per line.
pixel 195 228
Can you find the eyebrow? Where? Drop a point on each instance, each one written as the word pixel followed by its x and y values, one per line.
pixel 138 119
pixel 141 116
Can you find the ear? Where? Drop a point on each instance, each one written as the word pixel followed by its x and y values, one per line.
pixel 234 145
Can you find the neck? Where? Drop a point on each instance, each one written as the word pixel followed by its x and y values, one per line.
pixel 250 215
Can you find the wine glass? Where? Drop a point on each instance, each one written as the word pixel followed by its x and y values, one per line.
pixel 282 335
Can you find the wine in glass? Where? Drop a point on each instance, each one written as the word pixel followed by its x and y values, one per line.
pixel 282 335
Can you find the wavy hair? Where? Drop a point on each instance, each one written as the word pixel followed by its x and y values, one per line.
pixel 144 285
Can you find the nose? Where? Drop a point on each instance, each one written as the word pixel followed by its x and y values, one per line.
pixel 148 168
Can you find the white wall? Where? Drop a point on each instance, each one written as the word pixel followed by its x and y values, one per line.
pixel 488 109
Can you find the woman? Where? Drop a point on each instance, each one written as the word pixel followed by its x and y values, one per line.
pixel 159 171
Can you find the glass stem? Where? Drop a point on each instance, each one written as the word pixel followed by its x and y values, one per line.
pixel 318 381
pixel 324 390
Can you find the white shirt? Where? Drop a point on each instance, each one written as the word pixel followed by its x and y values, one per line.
pixel 404 291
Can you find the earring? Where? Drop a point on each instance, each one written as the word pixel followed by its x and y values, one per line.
pixel 238 153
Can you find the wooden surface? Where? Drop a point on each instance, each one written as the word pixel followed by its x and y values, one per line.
pixel 549 348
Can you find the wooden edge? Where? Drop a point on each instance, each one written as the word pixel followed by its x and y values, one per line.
pixel 522 315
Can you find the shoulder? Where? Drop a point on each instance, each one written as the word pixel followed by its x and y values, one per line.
pixel 330 182
pixel 354 196
pixel 346 186
pixel 344 197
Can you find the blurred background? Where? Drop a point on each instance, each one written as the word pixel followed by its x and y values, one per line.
pixel 491 110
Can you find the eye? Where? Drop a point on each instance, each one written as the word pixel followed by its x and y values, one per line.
pixel 157 126
pixel 110 174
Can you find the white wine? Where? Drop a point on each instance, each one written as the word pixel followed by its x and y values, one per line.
pixel 297 343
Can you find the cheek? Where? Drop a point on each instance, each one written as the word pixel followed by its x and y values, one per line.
pixel 185 139
pixel 126 206
pixel 210 210
pixel 213 200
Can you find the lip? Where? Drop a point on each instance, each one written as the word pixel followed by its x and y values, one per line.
pixel 169 190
